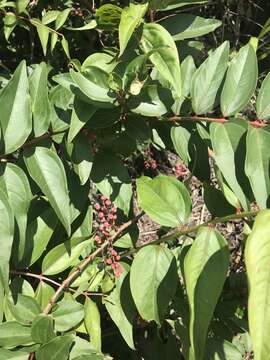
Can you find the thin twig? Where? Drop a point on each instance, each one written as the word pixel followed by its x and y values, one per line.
pixel 84 264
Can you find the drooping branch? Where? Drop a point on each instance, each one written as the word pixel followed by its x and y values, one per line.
pixel 87 261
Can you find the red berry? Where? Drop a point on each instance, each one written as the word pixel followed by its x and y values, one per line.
pixel 97 206
pixel 109 261
pixel 106 225
pixel 114 217
pixel 111 216
pixel 107 203
pixel 101 215
pixel 114 253
pixel 118 257
pixel 103 198
pixel 114 209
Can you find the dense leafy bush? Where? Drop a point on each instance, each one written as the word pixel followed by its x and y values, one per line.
pixel 86 89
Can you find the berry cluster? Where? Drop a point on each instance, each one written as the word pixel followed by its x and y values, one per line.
pixel 149 162
pixel 77 12
pixel 105 223
pixel 180 170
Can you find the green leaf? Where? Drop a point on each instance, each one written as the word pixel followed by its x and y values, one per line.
pixel 130 18
pixel 219 349
pixel 89 26
pixel 61 18
pixel 240 81
pixel 257 257
pixel 263 100
pixel 186 26
pixel 257 164
pixel 13 355
pixel 82 158
pixel 226 139
pixel 152 101
pixel 81 114
pixel 43 34
pixel 101 60
pixel 92 323
pixel 47 170
pixel 56 349
pixel 22 5
pixel 181 138
pixel 153 281
pixel 205 267
pixel 62 256
pixel 54 38
pixel 13 334
pixel 44 293
pixel 188 69
pixel 65 46
pixel 208 78
pixel 216 202
pixel 94 84
pixel 19 195
pixel 108 16
pixel 165 199
pixel 39 232
pixel 112 179
pixel 10 22
pixel 165 58
pixel 121 309
pixel 25 309
pixel 15 104
pixel 6 230
pixel 67 315
pixel 40 99
pixel 42 329
pixel 50 16
pixel 174 4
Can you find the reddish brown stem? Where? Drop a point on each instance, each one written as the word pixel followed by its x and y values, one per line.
pixel 84 264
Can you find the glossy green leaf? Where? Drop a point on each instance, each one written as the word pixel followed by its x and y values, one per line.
pixel 226 139
pixel 180 138
pixel 39 232
pixel 240 83
pixel 40 99
pixel 10 22
pixel 47 170
pixel 130 18
pixel 186 26
pixel 43 34
pixel 13 355
pixel 165 58
pixel 15 104
pixel 62 256
pixel 101 60
pixel 165 199
pixel 56 349
pixel 205 267
pixel 19 195
pixel 50 16
pixel 67 315
pixel 89 26
pixel 25 309
pixel 188 69
pixel 61 18
pixel 153 281
pixel 44 293
pixel 174 4
pixel 257 164
pixel 65 46
pixel 112 179
pixel 6 229
pixel 13 334
pixel 82 158
pixel 257 257
pixel 42 329
pixel 121 309
pixel 81 114
pixel 219 349
pixel 152 101
pixel 94 84
pixel 92 323
pixel 208 78
pixel 263 100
